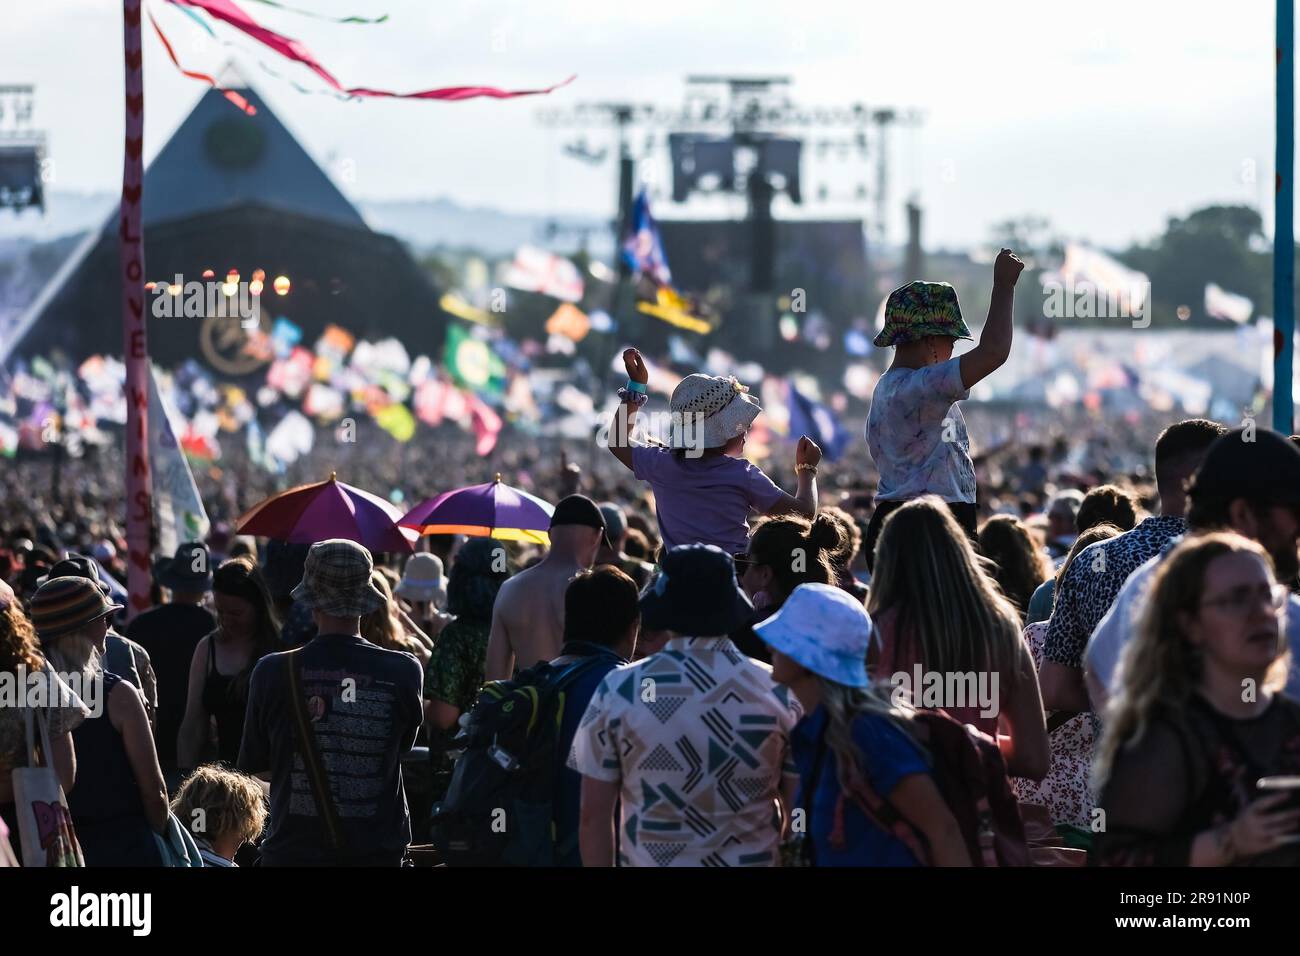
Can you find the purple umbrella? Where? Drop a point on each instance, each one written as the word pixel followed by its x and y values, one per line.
pixel 329 509
pixel 489 510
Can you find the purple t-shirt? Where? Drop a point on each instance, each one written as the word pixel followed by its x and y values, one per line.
pixel 704 500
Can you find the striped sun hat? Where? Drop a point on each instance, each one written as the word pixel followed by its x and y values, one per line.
pixel 62 605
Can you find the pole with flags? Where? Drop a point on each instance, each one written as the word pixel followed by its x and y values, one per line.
pixel 1283 224
pixel 135 341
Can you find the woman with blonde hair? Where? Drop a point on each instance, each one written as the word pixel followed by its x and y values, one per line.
pixel 1019 564
pixel 1198 720
pixel 867 790
pixel 120 800
pixel 388 627
pixel 939 613
pixel 223 809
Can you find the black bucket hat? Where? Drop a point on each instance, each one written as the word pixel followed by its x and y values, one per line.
pixel 696 593
pixel 189 570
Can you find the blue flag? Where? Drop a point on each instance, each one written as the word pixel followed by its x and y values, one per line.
pixel 643 249
pixel 817 422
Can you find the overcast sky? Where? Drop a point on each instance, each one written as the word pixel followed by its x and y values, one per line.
pixel 1105 117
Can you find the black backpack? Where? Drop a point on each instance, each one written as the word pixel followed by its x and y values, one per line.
pixel 499 807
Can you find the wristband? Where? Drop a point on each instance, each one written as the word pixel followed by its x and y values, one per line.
pixel 805 467
pixel 632 386
pixel 635 399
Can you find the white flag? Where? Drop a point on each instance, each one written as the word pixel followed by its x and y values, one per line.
pixel 1223 304
pixel 176 504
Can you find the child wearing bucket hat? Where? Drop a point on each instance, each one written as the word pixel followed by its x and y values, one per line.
pixel 851 741
pixel 915 429
pixel 704 488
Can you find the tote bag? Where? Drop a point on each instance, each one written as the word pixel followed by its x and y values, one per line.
pixel 44 823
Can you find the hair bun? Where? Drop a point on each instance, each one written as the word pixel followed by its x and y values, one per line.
pixel 825 534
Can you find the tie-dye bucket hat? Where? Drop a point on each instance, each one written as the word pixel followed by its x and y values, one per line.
pixel 919 309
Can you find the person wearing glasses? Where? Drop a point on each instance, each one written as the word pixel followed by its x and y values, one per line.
pixel 1249 482
pixel 1198 722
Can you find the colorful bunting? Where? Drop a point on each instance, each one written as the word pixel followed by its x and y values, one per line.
pixel 231 95
pixel 231 13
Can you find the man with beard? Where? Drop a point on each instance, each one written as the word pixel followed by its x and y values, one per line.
pixel 1248 483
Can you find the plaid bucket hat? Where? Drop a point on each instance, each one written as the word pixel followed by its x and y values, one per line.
pixel 336 580
pixel 919 309
pixel 724 406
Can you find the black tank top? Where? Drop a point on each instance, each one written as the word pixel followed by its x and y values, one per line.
pixel 224 701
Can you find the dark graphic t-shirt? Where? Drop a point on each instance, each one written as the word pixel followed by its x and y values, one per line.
pixel 364 706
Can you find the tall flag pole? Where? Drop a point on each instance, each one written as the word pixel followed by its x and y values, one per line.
pixel 135 340
pixel 1283 224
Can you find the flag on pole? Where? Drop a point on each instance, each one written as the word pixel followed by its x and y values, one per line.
pixel 818 422
pixel 643 247
pixel 178 509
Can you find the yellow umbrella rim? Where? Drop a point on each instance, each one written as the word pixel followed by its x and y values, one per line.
pixel 483 531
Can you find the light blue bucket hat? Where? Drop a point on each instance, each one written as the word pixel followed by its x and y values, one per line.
pixel 824 629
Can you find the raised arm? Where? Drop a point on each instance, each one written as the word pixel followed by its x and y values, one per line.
pixel 620 429
pixel 804 501
pixel 995 339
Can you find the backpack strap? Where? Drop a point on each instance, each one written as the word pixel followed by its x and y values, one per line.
pixel 877 809
pixel 316 775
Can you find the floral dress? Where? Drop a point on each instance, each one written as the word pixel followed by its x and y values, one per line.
pixel 1065 791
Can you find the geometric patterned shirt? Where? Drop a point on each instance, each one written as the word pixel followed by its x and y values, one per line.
pixel 698 737
pixel 1094 580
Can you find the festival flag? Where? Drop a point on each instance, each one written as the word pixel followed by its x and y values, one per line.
pixel 8 440
pixel 289 440
pixel 1221 304
pixel 818 422
pixel 179 514
pixel 486 424
pixel 675 309
pixel 397 420
pixel 454 304
pixel 643 247
pixel 570 321
pixel 536 270
pixel 471 363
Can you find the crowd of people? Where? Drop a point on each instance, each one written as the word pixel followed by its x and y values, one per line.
pixel 707 665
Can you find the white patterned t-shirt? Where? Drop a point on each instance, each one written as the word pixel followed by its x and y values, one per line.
pixel 698 737
pixel 917 434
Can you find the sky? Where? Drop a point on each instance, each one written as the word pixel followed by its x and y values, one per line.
pixel 1105 118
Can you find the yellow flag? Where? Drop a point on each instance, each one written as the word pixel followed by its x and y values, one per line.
pixel 673 308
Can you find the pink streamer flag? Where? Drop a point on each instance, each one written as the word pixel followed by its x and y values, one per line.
pixel 292 49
